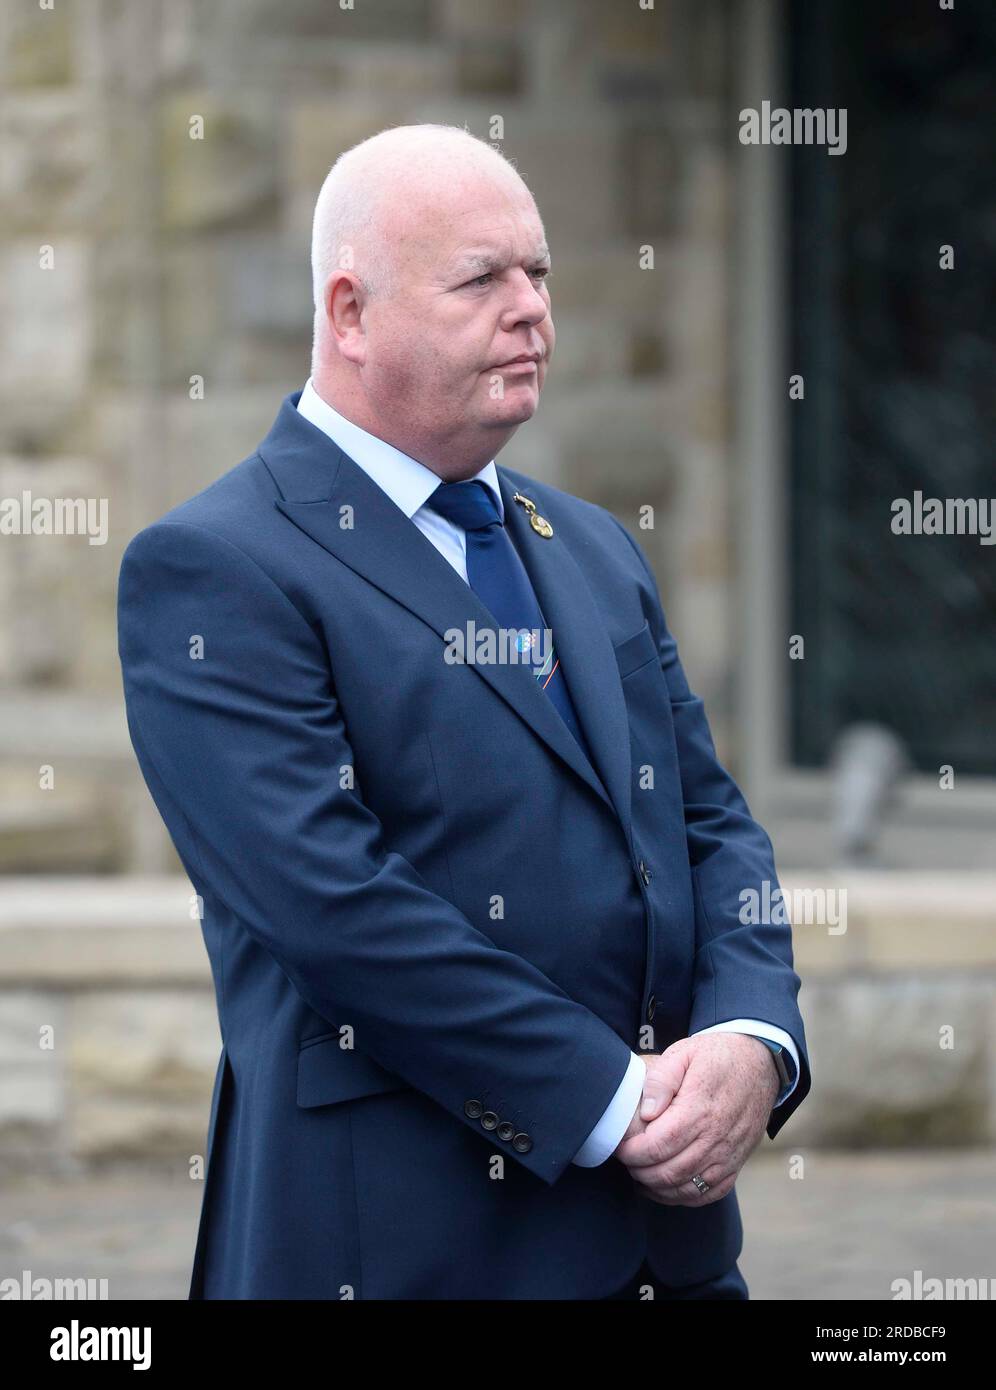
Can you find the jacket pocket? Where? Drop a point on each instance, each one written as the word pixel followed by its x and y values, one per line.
pixel 328 1073
pixel 636 651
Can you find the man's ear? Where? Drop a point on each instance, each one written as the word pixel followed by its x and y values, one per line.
pixel 344 301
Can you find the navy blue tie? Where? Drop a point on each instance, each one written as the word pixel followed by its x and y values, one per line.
pixel 499 579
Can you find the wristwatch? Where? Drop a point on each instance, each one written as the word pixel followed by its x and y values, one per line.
pixel 780 1063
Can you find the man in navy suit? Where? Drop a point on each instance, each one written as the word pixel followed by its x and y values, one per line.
pixel 471 872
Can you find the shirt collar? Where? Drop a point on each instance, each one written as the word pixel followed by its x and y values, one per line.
pixel 408 483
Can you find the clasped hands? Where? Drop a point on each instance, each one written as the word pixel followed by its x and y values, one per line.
pixel 705 1105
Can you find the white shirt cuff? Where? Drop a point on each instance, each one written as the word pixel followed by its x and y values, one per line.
pixel 605 1137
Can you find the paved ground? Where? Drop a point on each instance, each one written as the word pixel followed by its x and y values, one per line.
pixel 851 1226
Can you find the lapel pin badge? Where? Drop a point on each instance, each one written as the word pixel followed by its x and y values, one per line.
pixel 539 523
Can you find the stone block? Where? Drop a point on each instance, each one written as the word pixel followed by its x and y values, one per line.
pixel 490 65
pixel 39 46
pixel 106 1128
pixel 45 346
pixel 471 17
pixel 46 629
pixel 571 163
pixel 52 178
pixel 148 1043
pixel 32 1087
pixel 394 21
pixel 141 1068
pixel 229 176
pixel 882 1077
pixel 84 933
pixel 266 288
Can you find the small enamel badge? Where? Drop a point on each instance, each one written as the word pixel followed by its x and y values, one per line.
pixel 539 523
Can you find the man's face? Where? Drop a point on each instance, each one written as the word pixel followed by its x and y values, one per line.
pixel 469 296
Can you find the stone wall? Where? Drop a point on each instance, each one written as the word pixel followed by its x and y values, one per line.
pixel 176 258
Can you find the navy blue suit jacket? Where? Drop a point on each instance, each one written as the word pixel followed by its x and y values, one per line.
pixel 435 929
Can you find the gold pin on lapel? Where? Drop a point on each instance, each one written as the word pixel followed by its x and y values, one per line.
pixel 539 523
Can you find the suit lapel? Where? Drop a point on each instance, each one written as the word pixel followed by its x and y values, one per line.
pixel 580 638
pixel 332 500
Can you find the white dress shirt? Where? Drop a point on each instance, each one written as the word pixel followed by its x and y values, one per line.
pixel 409 484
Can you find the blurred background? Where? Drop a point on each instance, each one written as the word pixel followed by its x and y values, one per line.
pixel 764 345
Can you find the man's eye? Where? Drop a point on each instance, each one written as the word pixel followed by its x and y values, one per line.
pixel 481 282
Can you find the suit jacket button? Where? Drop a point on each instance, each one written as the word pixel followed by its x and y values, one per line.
pixel 505 1130
pixel 489 1119
pixel 473 1108
pixel 522 1143
pixel 651 1008
pixel 645 873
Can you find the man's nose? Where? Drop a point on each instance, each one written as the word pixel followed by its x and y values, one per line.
pixel 527 305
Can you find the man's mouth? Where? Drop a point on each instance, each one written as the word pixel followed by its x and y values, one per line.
pixel 528 360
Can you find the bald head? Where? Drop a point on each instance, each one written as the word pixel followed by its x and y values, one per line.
pixel 379 191
pixel 429 263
